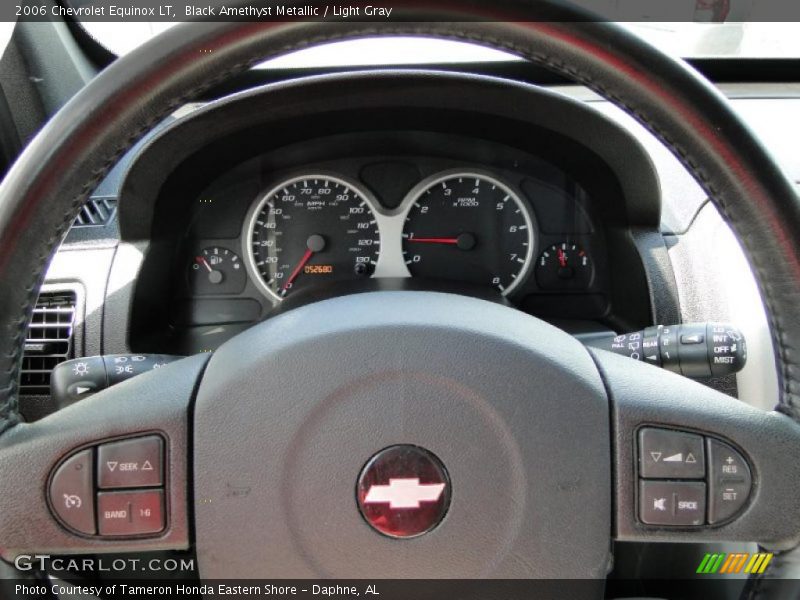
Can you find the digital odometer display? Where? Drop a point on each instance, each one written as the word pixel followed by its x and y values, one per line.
pixel 468 227
pixel 309 230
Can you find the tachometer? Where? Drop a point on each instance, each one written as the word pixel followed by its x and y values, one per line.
pixel 469 227
pixel 309 230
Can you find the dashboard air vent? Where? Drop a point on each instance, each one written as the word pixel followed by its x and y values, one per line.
pixel 96 212
pixel 49 340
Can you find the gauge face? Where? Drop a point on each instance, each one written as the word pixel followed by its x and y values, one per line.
pixel 469 227
pixel 216 270
pixel 311 230
pixel 564 266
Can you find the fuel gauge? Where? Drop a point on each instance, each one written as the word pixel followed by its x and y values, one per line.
pixel 564 266
pixel 216 270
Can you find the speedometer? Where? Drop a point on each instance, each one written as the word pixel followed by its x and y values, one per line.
pixel 468 227
pixel 309 230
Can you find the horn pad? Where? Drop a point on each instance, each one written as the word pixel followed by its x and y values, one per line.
pixel 291 411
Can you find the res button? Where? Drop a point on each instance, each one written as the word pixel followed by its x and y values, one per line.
pixel 729 481
pixel 130 463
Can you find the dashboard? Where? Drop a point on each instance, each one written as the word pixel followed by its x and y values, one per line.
pixel 400 180
pixel 613 227
pixel 588 175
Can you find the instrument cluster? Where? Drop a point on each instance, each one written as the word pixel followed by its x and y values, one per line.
pixel 461 225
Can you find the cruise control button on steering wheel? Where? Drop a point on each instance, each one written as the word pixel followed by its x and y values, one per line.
pixel 72 494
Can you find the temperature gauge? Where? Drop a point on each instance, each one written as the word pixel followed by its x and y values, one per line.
pixel 216 270
pixel 564 266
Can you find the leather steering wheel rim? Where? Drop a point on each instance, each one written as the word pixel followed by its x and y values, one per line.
pixel 45 189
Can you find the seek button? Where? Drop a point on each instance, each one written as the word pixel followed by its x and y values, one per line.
pixel 130 463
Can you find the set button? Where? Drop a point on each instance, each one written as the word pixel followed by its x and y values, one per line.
pixel 729 481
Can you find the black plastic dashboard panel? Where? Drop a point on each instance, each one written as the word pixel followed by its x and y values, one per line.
pixel 387 129
pixel 352 93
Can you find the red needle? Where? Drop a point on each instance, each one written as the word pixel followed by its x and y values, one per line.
pixel 306 257
pixel 562 258
pixel 204 262
pixel 434 240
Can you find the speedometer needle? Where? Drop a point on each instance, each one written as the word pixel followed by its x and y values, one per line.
pixel 306 257
pixel 315 243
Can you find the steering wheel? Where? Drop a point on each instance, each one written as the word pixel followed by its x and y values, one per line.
pixel 536 441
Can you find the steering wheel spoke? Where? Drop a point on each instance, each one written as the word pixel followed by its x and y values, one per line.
pixel 107 474
pixel 692 464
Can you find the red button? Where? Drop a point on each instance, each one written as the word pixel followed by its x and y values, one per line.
pixel 130 513
pixel 403 491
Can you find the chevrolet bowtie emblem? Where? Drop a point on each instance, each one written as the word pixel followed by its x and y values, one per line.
pixel 404 493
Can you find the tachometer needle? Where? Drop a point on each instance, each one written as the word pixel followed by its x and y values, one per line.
pixel 306 257
pixel 434 240
pixel 465 241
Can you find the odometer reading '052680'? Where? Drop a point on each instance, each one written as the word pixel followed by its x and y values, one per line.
pixel 309 230
pixel 468 227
